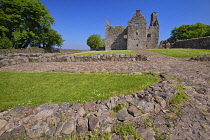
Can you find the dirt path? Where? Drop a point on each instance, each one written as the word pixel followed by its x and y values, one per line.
pixel 193 118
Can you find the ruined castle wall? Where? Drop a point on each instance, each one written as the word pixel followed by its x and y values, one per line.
pixel 115 38
pixel 136 36
pixel 196 43
pixel 153 32
pixel 152 37
pixel 137 32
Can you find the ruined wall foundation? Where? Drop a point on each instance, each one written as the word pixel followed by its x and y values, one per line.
pixel 54 121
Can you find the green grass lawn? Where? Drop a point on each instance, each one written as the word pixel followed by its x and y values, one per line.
pixel 103 52
pixel 32 89
pixel 181 52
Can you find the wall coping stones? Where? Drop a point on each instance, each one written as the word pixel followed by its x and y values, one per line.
pixel 13 59
pixel 55 120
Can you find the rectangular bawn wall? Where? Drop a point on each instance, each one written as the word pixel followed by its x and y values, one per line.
pixel 14 59
pixel 196 43
pixel 13 51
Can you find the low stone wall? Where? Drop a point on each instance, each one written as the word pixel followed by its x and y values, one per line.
pixel 196 43
pixel 18 58
pixel 201 58
pixel 13 59
pixel 69 51
pixel 13 51
pixel 54 120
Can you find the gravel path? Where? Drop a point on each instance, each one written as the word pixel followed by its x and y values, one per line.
pixel 194 120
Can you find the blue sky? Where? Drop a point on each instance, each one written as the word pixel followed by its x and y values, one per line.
pixel 76 20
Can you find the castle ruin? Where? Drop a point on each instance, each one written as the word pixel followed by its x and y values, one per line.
pixel 135 36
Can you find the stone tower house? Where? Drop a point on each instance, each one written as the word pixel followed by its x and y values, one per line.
pixel 135 36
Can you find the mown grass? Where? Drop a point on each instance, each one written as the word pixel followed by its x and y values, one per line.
pixel 181 52
pixel 103 52
pixel 32 89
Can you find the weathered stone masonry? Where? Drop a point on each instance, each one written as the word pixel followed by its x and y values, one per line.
pixel 135 36
pixel 194 43
pixel 54 120
pixel 14 59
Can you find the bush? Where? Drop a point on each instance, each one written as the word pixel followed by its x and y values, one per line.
pixel 95 41
pixel 5 43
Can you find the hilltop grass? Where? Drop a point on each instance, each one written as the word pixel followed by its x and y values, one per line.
pixel 103 52
pixel 181 52
pixel 33 88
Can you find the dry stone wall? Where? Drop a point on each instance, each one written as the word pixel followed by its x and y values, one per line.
pixel 13 51
pixel 56 120
pixel 13 59
pixel 201 58
pixel 195 43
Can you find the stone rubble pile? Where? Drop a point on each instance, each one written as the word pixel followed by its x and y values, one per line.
pixel 54 120
pixel 14 59
pixel 201 58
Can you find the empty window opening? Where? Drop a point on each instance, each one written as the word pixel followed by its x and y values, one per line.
pixel 149 35
pixel 136 24
pixel 137 45
pixel 137 33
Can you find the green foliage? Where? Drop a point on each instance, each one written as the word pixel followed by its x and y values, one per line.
pixel 24 22
pixel 5 43
pixel 93 135
pixel 50 38
pixel 169 117
pixel 177 112
pixel 104 42
pixel 168 125
pixel 25 88
pixel 119 107
pixel 180 96
pixel 159 136
pixel 95 41
pixel 103 52
pixel 96 135
pixel 63 117
pixel 190 31
pixel 153 73
pixel 148 123
pixel 125 130
pixel 181 52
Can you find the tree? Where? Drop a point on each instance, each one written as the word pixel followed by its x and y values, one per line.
pixel 95 41
pixel 104 42
pixel 5 43
pixel 190 31
pixel 24 21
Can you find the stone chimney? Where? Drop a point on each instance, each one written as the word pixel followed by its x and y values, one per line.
pixel 138 11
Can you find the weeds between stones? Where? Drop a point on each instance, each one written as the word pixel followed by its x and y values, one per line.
pixel 125 130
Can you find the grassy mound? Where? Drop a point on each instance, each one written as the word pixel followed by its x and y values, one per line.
pixel 32 89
